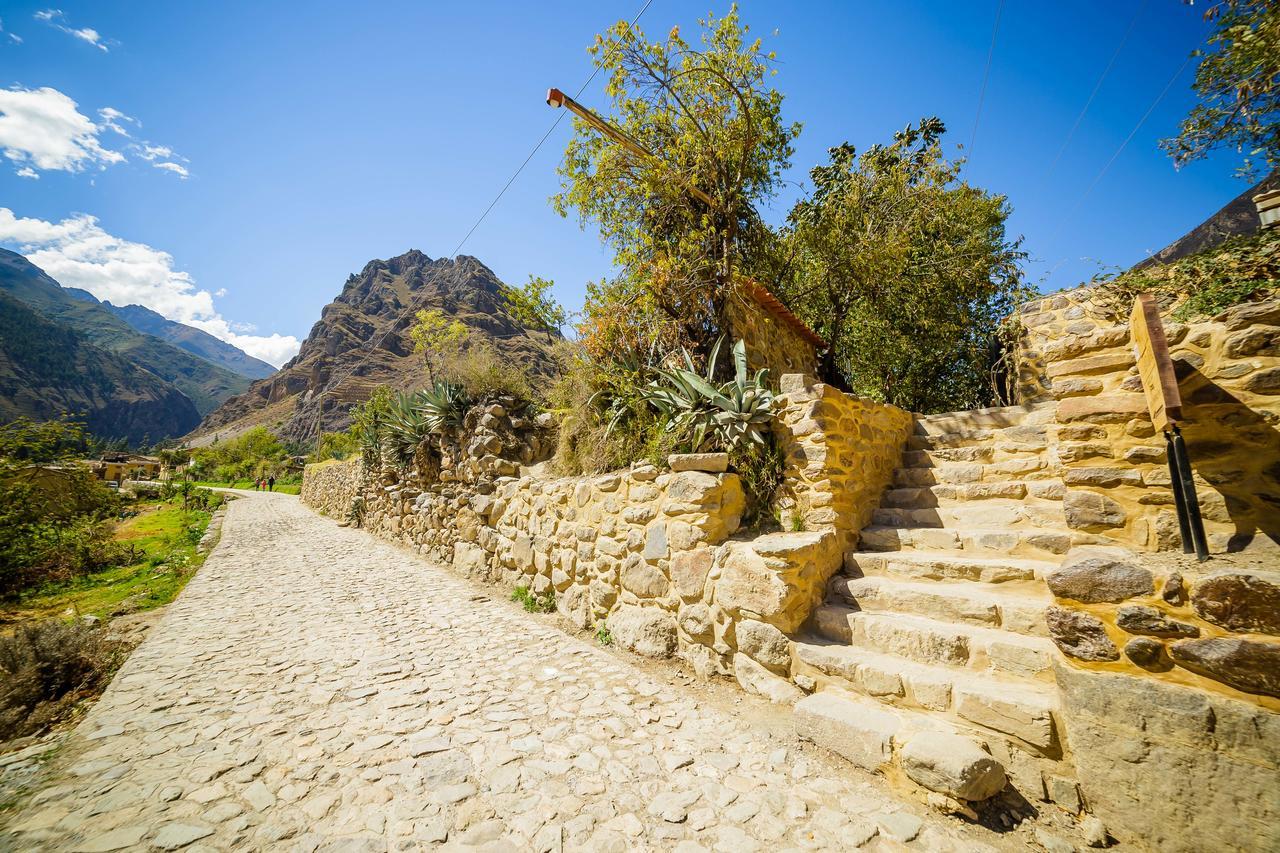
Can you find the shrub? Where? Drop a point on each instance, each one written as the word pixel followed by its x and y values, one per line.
pixel 45 668
pixel 482 372
pixel 710 417
pixel 543 602
pixel 760 468
pixel 1242 269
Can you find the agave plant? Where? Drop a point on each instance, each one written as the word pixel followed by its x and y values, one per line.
pixel 442 406
pixel 404 430
pixel 724 416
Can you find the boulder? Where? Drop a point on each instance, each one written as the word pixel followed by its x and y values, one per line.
pixel 764 644
pixel 1090 510
pixel 1098 574
pixel 689 571
pixel 1138 619
pixel 646 631
pixel 952 765
pixel 1247 665
pixel 1148 654
pixel 1080 635
pixel 642 579
pixel 1240 600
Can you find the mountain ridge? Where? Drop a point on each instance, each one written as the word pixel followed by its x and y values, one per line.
pixel 362 340
pixel 207 385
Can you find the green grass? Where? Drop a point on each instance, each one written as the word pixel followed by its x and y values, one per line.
pixel 533 602
pixel 164 537
pixel 283 488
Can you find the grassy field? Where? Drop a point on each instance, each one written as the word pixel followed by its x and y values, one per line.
pixel 164 538
pixel 283 488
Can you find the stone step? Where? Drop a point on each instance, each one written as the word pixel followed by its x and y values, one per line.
pixel 955 565
pixel 887 687
pixel 933 642
pixel 1031 437
pixel 996 512
pixel 1025 467
pixel 1003 417
pixel 921 497
pixel 1012 606
pixel 976 541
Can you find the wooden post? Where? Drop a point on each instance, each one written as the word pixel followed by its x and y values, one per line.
pixel 1164 402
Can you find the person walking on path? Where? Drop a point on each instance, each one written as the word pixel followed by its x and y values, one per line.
pixel 271 483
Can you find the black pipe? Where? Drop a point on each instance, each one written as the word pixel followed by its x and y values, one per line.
pixel 1179 500
pixel 1189 495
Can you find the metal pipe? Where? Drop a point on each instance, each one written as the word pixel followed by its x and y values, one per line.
pixel 1189 496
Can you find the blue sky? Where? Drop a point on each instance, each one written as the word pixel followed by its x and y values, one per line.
pixel 316 136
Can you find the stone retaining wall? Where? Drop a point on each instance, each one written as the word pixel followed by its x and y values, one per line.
pixel 841 452
pixel 1114 465
pixel 331 487
pixel 1170 665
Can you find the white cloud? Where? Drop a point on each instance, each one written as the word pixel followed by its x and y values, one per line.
pixel 15 38
pixel 55 18
pixel 112 118
pixel 180 171
pixel 28 172
pixel 43 129
pixel 79 253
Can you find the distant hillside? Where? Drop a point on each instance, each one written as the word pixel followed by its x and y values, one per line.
pixel 192 340
pixel 1239 216
pixel 47 370
pixel 206 384
pixel 338 364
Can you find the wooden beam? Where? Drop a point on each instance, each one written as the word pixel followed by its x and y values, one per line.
pixel 1155 366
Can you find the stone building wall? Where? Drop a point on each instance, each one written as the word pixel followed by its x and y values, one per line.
pixel 1114 465
pixel 775 339
pixel 841 452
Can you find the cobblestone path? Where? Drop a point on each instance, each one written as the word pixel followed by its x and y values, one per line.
pixel 316 688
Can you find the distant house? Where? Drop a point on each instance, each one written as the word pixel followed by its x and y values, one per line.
pixel 118 467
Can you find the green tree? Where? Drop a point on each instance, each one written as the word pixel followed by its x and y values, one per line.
pixel 1238 82
pixel 437 337
pixel 533 305
pixel 712 124
pixel 905 270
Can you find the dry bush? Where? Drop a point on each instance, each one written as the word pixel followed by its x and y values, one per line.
pixel 46 668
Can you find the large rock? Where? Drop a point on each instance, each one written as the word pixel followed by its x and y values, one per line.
pixel 754 678
pixel 952 765
pixel 715 463
pixel 1248 665
pixel 764 644
pixel 1173 768
pixel 860 731
pixel 1239 600
pixel 646 631
pixel 642 579
pixel 1095 574
pixel 778 578
pixel 1139 619
pixel 1091 511
pixel 1080 635
pixel 689 571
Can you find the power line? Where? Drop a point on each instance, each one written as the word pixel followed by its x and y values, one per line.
pixel 554 125
pixel 1096 88
pixel 1098 178
pixel 982 93
pixel 333 383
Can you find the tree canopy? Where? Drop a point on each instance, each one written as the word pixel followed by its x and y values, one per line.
pixel 1238 81
pixel 713 124
pixel 905 269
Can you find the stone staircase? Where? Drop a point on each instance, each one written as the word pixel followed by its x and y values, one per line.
pixel 936 623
